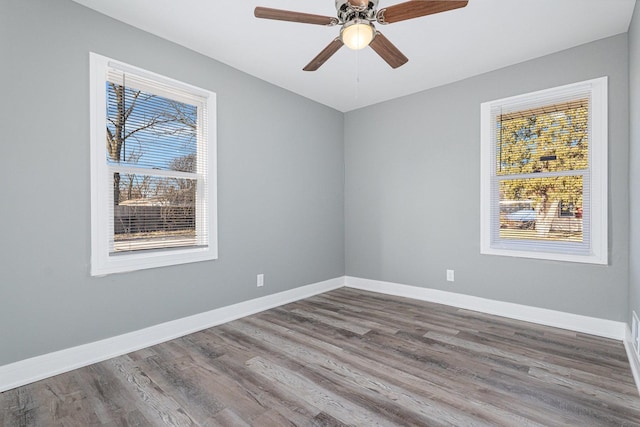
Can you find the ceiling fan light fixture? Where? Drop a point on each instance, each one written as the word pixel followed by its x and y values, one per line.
pixel 357 34
pixel 358 31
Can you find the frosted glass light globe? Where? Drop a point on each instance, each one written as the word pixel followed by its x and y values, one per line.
pixel 357 35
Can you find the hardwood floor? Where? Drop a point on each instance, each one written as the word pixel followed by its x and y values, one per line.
pixel 347 357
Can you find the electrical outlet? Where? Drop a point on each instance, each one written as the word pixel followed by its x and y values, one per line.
pixel 260 280
pixel 450 276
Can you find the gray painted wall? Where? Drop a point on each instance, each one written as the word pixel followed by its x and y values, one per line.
pixel 413 192
pixel 281 186
pixel 634 162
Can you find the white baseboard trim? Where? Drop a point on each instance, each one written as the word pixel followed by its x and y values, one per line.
pixel 632 356
pixel 47 365
pixel 575 322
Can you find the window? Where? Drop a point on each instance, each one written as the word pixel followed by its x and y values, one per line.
pixel 153 176
pixel 544 174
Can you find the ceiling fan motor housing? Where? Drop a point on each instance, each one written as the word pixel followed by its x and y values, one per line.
pixel 348 10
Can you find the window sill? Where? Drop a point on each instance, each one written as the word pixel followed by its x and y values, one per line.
pixel 121 263
pixel 550 256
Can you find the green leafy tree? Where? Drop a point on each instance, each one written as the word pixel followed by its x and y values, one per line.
pixel 546 141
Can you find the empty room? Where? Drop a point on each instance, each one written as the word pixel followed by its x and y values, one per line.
pixel 339 212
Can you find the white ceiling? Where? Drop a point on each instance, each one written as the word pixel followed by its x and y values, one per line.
pixel 442 48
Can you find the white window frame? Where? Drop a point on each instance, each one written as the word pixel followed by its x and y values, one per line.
pixel 102 262
pixel 596 235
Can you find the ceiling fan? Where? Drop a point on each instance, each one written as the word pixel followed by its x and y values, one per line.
pixel 356 18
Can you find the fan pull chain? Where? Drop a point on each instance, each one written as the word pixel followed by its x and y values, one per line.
pixel 357 91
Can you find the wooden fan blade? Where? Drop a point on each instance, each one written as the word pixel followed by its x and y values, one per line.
pixel 326 53
pixel 387 51
pixel 416 8
pixel 287 15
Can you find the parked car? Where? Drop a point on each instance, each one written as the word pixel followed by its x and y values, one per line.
pixel 524 218
pixel 517 214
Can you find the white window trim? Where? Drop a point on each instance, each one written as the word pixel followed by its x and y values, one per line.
pixel 101 262
pixel 598 147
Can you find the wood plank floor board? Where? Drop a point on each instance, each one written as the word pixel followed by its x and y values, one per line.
pixel 420 364
pixel 158 403
pixel 587 410
pixel 556 356
pixel 588 382
pixel 189 385
pixel 348 373
pixel 569 347
pixel 235 395
pixel 233 365
pixel 106 397
pixel 359 318
pixel 341 378
pixel 347 357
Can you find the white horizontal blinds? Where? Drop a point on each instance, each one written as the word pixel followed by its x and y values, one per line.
pixel 541 173
pixel 157 157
